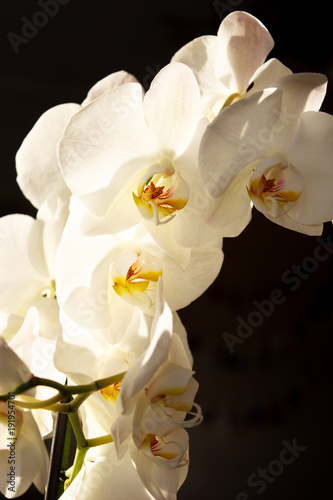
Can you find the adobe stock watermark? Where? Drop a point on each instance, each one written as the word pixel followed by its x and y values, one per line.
pixel 224 8
pixel 293 278
pixel 30 27
pixel 264 477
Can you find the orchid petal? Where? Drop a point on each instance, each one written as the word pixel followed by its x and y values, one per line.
pixel 311 153
pixel 239 135
pixel 244 46
pixel 171 108
pixel 36 161
pixel 23 271
pixel 300 92
pixel 13 372
pixel 106 134
pixel 267 74
pixel 108 83
pixel 200 55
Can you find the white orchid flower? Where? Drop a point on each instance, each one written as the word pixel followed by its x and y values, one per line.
pixel 103 473
pixel 130 157
pixel 158 390
pixel 155 461
pixel 162 463
pixel 117 272
pixel 86 357
pixel 231 65
pixel 273 150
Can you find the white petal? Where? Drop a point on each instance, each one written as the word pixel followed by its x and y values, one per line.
pixel 157 351
pixel 233 211
pixel 9 325
pixel 48 312
pixel 105 144
pixel 200 55
pixel 32 459
pixel 172 380
pixel 144 467
pixel 300 92
pixel 53 213
pixel 171 108
pixel 164 237
pixel 36 161
pixel 82 283
pixel 244 46
pixel 312 154
pixel 108 83
pixel 13 372
pixel 121 215
pixel 29 328
pixel 181 286
pixel 267 74
pixel 23 271
pixel 107 474
pixel 239 135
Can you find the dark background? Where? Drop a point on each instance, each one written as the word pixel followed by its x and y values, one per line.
pixel 277 385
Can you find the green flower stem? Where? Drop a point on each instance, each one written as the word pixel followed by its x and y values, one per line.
pixel 77 428
pixel 63 391
pixel 71 407
pixel 37 404
pixel 100 440
pixel 82 446
pixel 35 381
pixel 78 463
pixel 65 461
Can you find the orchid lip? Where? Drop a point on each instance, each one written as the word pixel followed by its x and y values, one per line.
pixel 274 187
pixel 170 452
pixel 134 276
pixel 111 392
pixel 161 193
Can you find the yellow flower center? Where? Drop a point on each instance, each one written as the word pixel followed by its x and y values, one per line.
pixel 156 447
pixel 135 281
pixel 161 193
pixel 111 392
pixel 273 189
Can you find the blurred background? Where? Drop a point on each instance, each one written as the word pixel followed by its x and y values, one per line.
pixel 276 386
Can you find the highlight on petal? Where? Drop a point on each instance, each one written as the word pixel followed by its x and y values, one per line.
pixel 200 55
pixel 244 45
pixel 311 153
pixel 38 172
pixel 108 83
pixel 301 92
pixel 110 138
pixel 172 108
pixel 237 137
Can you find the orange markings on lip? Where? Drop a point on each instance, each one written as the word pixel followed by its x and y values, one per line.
pixel 151 192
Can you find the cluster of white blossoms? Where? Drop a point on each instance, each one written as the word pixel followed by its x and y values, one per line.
pixel 135 191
